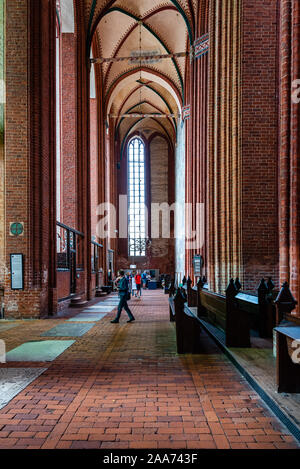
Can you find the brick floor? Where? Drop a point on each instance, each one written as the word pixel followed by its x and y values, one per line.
pixel 123 386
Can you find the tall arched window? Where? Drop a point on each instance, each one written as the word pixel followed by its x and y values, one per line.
pixel 136 198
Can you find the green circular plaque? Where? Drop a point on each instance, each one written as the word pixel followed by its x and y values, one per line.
pixel 16 229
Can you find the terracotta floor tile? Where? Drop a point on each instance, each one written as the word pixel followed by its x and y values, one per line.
pixel 125 386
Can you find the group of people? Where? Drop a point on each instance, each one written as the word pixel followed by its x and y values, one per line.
pixel 136 282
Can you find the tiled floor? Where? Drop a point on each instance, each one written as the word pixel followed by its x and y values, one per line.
pixel 123 386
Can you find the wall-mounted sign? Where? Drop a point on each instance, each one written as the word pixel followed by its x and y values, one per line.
pixel 16 229
pixel 17 272
pixel 198 264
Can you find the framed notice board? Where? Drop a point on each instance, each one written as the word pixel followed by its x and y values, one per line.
pixel 198 264
pixel 17 272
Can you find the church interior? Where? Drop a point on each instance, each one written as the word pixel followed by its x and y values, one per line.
pixel 156 141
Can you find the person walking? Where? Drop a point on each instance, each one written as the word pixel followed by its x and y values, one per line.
pixel 138 281
pixel 122 286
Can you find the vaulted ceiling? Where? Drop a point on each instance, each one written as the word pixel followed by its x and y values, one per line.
pixel 124 28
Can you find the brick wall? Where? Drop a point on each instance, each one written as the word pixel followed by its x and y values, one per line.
pixel 17 303
pixel 68 135
pixel 243 143
pixel 260 142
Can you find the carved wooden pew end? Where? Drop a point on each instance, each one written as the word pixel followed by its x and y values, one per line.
pixel 187 325
pixel 288 343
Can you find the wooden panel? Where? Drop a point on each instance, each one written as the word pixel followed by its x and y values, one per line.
pixel 216 307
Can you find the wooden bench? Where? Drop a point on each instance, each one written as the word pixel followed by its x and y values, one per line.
pixel 187 326
pixel 187 323
pixel 237 312
pixel 229 312
pixel 287 343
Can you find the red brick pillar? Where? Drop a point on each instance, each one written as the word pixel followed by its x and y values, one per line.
pixel 224 145
pixel 196 93
pixel 242 155
pixel 295 160
pixel 289 166
pixel 68 134
pixel 189 159
pixel 100 151
pixel 284 157
pixel 83 149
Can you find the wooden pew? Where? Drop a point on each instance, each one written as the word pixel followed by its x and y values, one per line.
pixel 187 326
pixel 187 323
pixel 237 325
pixel 246 311
pixel 192 294
pixel 287 343
pixel 227 312
pixel 267 309
pixel 236 312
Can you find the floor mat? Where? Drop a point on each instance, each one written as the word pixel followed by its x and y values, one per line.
pixel 68 330
pixel 98 308
pixel 39 351
pixel 87 317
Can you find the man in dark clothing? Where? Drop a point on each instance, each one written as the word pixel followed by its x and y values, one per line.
pixel 122 285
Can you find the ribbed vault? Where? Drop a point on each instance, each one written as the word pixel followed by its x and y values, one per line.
pixel 124 29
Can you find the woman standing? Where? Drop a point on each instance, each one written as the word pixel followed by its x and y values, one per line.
pixel 133 287
pixel 138 281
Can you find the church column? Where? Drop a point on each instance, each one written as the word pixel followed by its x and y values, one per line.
pixel 223 189
pixel 289 161
pixel 196 94
pixel 188 96
pixel 83 150
pixel 2 162
pixel 68 124
pixel 285 96
pixel 242 159
pixel 295 160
